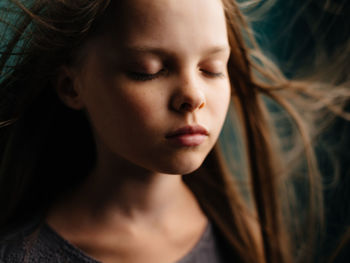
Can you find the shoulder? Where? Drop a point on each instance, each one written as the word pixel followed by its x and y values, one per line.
pixel 224 248
pixel 15 241
pixel 12 251
pixel 38 247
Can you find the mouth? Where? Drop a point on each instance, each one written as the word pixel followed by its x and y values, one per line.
pixel 188 135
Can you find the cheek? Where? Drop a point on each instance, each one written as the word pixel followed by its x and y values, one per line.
pixel 219 101
pixel 143 107
pixel 125 110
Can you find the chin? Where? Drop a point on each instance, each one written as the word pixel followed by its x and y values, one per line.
pixel 181 166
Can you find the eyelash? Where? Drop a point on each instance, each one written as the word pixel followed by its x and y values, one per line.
pixel 213 74
pixel 139 76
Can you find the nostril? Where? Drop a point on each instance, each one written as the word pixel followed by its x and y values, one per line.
pixel 185 107
pixel 187 100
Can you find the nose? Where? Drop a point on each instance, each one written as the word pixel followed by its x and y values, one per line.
pixel 188 96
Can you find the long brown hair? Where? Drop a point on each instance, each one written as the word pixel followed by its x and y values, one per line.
pixel 48 149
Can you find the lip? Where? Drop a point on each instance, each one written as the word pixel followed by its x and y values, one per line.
pixel 188 135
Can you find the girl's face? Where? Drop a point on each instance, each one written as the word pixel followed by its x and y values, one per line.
pixel 159 66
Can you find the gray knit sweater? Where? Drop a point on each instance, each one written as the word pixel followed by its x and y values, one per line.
pixel 49 247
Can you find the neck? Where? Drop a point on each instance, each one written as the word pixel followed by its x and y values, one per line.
pixel 118 189
pixel 131 191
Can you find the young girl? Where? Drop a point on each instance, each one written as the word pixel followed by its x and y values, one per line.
pixel 111 111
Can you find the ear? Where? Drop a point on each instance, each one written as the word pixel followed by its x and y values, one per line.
pixel 68 88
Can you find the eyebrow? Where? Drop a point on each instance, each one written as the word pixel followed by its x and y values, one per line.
pixel 218 49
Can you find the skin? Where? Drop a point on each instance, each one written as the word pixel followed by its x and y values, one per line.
pixel 136 194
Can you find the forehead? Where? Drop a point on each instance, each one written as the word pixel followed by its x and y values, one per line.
pixel 168 22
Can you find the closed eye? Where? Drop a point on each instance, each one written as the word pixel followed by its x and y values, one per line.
pixel 213 74
pixel 141 76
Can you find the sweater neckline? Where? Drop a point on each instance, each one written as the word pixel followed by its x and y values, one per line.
pixel 61 243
